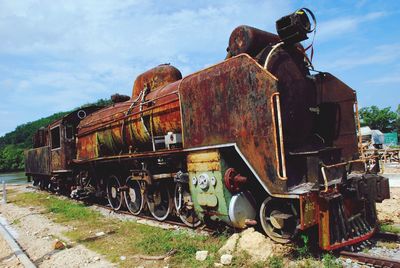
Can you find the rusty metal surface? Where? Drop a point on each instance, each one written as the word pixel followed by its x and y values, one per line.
pixel 37 161
pixel 308 210
pixel 40 138
pixel 155 78
pixel 230 103
pixel 61 158
pixel 128 126
pixel 332 90
pixel 246 39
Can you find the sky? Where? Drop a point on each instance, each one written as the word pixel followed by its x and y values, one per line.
pixel 58 55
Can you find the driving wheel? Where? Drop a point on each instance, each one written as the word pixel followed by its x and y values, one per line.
pixel 279 219
pixel 114 194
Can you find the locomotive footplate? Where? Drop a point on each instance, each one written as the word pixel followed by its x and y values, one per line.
pixel 347 213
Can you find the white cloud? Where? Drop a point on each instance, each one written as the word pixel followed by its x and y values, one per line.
pixel 58 55
pixel 392 78
pixel 379 55
pixel 337 27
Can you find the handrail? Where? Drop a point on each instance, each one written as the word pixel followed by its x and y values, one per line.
pixel 359 130
pixel 94 122
pixel 280 133
pixel 337 165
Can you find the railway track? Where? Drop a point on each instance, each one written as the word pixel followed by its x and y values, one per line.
pixel 368 259
pixel 371 260
pixel 124 212
pixel 388 236
pixel 145 217
pixel 375 261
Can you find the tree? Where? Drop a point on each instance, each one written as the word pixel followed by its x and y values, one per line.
pixel 13 144
pixel 382 119
pixel 397 123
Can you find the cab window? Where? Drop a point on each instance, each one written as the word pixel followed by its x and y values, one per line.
pixel 69 131
pixel 55 138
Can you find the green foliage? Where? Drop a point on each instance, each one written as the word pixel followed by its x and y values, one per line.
pixel 330 261
pixel 100 102
pixel 397 123
pixel 275 262
pixel 389 228
pixel 382 119
pixel 304 250
pixel 11 157
pixel 13 144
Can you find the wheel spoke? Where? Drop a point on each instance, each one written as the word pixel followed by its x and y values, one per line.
pixel 133 197
pixel 278 220
pixel 113 192
pixel 187 215
pixel 158 200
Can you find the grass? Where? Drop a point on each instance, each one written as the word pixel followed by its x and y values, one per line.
pixel 389 228
pixel 388 245
pixel 123 238
pixel 275 262
pixel 330 261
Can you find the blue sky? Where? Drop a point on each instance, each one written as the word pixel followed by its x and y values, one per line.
pixel 57 55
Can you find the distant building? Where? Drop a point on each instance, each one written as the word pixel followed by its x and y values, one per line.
pixel 373 136
pixel 391 139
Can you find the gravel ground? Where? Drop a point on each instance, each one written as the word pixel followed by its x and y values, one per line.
pixel 7 257
pixel 37 235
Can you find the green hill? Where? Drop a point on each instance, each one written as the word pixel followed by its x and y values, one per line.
pixel 13 144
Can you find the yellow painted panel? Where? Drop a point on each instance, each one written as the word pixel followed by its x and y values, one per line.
pixel 208 156
pixel 205 166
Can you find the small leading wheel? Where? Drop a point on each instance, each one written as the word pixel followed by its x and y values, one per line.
pixel 184 205
pixel 279 219
pixel 114 194
pixel 133 196
pixel 159 201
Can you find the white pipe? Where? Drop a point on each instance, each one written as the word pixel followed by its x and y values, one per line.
pixel 270 54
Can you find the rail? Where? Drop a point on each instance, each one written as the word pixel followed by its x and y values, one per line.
pixel 372 260
pixel 359 130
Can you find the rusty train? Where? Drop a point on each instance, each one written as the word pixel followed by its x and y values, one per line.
pixel 259 138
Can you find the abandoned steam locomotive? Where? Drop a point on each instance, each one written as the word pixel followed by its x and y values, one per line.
pixel 259 138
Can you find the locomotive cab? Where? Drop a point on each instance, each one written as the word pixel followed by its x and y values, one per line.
pixel 54 148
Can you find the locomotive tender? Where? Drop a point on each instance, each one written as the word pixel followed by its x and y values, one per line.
pixel 259 138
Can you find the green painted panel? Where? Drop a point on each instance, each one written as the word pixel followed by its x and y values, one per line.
pixel 214 199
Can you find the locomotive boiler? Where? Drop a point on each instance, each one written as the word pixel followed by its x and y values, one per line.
pixel 257 139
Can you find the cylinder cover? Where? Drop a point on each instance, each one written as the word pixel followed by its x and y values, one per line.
pixel 242 208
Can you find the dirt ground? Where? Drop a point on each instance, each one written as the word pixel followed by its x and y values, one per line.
pixel 37 236
pixel 7 257
pixel 389 210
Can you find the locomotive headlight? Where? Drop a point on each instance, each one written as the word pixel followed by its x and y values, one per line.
pixel 194 181
pixel 213 181
pixel 204 181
